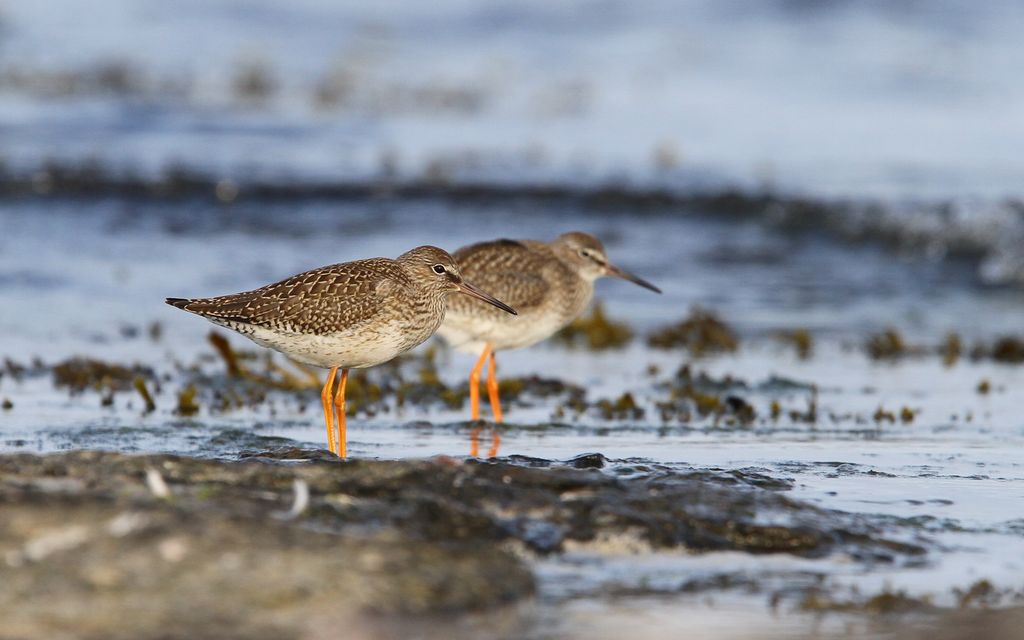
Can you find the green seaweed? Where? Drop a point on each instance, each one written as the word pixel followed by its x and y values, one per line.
pixel 884 603
pixel 883 415
pixel 595 331
pixel 79 374
pixel 801 340
pixel 622 408
pixel 951 349
pixel 888 344
pixel 1008 349
pixel 147 398
pixel 702 332
pixel 982 593
pixel 187 401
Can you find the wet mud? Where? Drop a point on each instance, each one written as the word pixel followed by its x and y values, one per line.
pixel 808 450
pixel 288 541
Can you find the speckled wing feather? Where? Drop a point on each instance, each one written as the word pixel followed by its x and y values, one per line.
pixel 507 269
pixel 321 301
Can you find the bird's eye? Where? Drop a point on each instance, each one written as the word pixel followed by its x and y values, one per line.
pixel 439 269
pixel 584 253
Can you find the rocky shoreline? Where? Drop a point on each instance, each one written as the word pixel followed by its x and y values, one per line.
pixel 290 543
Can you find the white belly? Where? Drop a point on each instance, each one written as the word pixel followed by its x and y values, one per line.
pixel 349 350
pixel 468 333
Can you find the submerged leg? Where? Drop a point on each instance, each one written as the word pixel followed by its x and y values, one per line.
pixel 474 442
pixel 325 399
pixel 474 384
pixel 339 405
pixel 495 443
pixel 492 390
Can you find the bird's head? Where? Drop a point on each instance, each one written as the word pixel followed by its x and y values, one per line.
pixel 436 270
pixel 586 254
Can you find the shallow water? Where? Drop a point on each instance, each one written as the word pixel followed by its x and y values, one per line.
pixel 87 278
pixel 697 93
pixel 763 163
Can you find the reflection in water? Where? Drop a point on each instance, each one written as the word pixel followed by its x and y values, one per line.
pixel 474 443
pixel 679 152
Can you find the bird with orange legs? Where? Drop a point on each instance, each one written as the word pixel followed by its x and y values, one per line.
pixel 346 316
pixel 549 284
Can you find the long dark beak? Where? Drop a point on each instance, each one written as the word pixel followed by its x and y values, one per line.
pixel 469 289
pixel 625 275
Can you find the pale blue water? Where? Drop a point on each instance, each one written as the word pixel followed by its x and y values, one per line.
pixel 74 273
pixel 901 122
pixel 869 98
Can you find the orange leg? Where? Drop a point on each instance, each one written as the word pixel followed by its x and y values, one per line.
pixel 474 442
pixel 325 399
pixel 495 443
pixel 492 389
pixel 474 384
pixel 339 405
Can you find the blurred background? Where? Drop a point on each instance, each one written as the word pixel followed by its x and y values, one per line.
pixel 843 165
pixel 824 97
pixel 839 176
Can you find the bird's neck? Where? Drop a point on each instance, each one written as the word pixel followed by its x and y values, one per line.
pixel 582 296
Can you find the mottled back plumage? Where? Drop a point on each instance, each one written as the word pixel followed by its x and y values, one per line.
pixel 345 316
pixel 353 314
pixel 547 291
pixel 550 283
pixel 321 301
pixel 514 267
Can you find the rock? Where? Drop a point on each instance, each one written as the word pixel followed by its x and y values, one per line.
pixel 90 553
pixel 106 545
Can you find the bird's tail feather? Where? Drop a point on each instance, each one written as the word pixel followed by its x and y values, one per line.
pixel 181 303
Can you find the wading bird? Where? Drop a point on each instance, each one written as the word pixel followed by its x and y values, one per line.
pixel 346 316
pixel 549 284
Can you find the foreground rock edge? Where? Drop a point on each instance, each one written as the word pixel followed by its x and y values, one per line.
pixel 291 539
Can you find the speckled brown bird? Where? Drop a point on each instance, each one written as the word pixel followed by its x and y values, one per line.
pixel 346 316
pixel 549 284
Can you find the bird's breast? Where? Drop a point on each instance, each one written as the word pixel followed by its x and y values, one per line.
pixel 465 328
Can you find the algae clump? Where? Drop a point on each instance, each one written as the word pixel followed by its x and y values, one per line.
pixel 595 332
pixel 701 332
